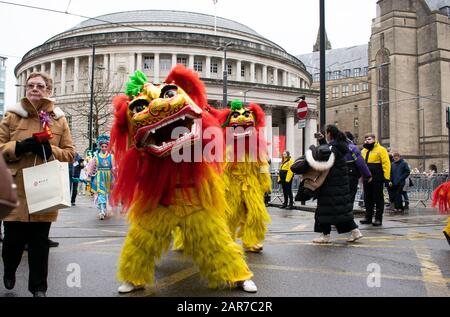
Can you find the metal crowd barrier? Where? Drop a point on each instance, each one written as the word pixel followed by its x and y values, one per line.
pixel 419 193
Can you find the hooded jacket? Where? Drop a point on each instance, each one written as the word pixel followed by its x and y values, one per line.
pixel 378 162
pixel 19 123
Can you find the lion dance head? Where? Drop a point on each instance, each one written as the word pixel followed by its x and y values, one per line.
pixel 142 138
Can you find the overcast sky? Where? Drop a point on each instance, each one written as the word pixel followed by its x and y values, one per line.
pixel 292 24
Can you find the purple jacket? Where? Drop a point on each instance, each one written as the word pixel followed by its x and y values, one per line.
pixel 354 158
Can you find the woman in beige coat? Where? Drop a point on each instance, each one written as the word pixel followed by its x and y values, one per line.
pixel 20 151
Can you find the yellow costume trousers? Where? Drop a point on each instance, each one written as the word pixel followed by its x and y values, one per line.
pixel 206 239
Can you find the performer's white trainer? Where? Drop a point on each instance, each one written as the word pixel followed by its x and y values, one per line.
pixel 248 286
pixel 324 238
pixel 356 235
pixel 127 287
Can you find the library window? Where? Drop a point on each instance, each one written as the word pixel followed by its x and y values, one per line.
pixel 214 67
pixel 198 66
pixel 182 61
pixel 148 62
pixel 335 92
pixel 345 91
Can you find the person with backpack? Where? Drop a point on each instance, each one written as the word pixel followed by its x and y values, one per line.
pixel 356 165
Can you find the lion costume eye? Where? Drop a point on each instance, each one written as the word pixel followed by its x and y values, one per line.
pixel 170 93
pixel 139 105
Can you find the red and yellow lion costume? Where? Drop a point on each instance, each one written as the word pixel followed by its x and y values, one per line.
pixel 441 198
pixel 246 172
pixel 162 195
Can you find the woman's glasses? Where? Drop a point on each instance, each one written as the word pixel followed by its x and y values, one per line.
pixel 38 86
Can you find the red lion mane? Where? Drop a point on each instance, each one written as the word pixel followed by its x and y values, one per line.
pixel 150 179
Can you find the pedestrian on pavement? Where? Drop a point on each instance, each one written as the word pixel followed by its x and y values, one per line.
pixel 83 180
pixel 21 150
pixel 390 190
pixel 78 165
pixel 377 159
pixel 356 165
pixel 285 178
pixel 100 169
pixel 334 200
pixel 399 173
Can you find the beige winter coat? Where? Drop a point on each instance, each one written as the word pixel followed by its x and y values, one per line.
pixel 19 123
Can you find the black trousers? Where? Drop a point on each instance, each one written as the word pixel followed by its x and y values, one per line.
pixel 287 193
pixel 373 196
pixel 353 180
pixel 74 192
pixel 340 227
pixel 35 234
pixel 397 193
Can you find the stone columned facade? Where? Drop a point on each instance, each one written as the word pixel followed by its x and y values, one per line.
pixel 154 41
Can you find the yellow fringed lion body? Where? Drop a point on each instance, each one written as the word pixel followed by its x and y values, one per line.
pixel 246 183
pixel 163 195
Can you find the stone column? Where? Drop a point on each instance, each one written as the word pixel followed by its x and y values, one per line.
pixel 131 65
pixel 63 76
pixel 311 125
pixel 268 128
pixel 89 74
pixel 156 68
pixel 112 67
pixel 24 82
pixel 174 59
pixel 35 69
pixel 191 62
pixel 252 73
pixel 285 78
pixel 18 87
pixel 76 74
pixel 290 130
pixel 264 74
pixel 208 67
pixel 139 61
pixel 275 76
pixel 52 70
pixel 105 68
pixel 238 70
pixel 43 68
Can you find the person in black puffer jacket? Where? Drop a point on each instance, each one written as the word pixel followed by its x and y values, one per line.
pixel 334 200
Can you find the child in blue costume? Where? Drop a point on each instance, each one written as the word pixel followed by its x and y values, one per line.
pixel 102 177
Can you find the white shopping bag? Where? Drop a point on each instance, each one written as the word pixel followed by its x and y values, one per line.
pixel 47 186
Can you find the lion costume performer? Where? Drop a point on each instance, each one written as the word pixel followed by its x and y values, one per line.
pixel 246 172
pixel 441 198
pixel 162 194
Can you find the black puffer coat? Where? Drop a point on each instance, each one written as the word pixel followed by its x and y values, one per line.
pixel 334 203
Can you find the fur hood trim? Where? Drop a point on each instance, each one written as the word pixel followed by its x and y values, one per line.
pixel 318 165
pixel 20 110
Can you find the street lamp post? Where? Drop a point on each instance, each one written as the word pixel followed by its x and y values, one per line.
pixel 225 71
pixel 91 105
